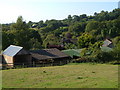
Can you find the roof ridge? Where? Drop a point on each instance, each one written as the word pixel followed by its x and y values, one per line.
pixel 16 46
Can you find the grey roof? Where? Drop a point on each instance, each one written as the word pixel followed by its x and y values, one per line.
pixel 12 50
pixel 106 42
pixel 48 54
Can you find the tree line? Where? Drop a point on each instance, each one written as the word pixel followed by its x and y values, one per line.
pixel 73 32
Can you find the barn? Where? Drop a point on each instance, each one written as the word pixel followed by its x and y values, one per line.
pixel 14 55
pixel 49 55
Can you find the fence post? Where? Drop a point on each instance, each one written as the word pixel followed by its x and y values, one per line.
pixel 67 61
pixel 23 65
pixel 60 63
pixel 33 64
pixel 43 63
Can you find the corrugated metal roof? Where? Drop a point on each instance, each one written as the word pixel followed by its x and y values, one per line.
pixel 12 50
pixel 73 52
pixel 69 52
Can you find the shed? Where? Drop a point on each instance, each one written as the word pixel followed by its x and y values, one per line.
pixel 73 52
pixel 16 55
pixel 49 54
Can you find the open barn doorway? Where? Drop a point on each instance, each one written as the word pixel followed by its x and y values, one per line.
pixel 22 59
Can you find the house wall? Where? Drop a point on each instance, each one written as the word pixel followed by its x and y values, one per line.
pixel 111 45
pixel 9 60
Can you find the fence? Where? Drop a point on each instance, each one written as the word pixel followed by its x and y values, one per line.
pixel 33 64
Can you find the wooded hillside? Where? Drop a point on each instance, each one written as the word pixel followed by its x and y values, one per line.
pixel 73 32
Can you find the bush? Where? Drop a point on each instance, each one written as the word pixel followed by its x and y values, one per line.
pixel 100 56
pixel 80 60
pixel 116 51
pixel 104 57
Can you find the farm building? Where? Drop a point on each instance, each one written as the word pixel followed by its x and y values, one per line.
pixel 16 55
pixel 49 55
pixel 73 52
pixel 108 43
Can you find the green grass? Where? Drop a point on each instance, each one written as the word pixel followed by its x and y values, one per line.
pixel 67 76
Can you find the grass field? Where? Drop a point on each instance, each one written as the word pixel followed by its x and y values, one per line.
pixel 67 76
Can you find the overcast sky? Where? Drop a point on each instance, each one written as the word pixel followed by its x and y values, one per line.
pixel 36 10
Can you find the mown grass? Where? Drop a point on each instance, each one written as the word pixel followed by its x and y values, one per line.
pixel 67 76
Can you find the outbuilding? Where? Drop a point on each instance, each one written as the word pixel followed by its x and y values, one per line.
pixel 15 55
pixel 49 55
pixel 73 53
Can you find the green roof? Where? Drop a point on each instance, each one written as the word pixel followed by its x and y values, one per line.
pixel 106 49
pixel 72 52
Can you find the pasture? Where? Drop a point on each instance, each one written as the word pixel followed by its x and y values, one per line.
pixel 74 75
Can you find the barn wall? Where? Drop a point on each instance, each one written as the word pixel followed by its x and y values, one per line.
pixel 29 59
pixel 9 60
pixel 23 59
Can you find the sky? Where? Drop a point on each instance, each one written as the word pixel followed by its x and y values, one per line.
pixel 36 10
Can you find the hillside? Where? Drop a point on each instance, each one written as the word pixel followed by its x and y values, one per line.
pixel 74 32
pixel 68 76
pixel 67 32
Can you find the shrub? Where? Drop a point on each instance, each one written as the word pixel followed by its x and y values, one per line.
pixel 79 60
pixel 104 57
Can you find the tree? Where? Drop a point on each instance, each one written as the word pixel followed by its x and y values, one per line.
pixel 76 18
pixel 7 38
pixel 30 23
pixel 35 44
pixel 28 39
pixel 116 51
pixel 60 30
pixel 102 16
pixel 35 34
pixel 85 40
pixel 19 25
pixel 77 27
pixel 21 35
pixel 22 38
pixel 92 25
pixel 70 46
pixel 83 16
pixel 69 19
pixel 51 39
pixel 95 14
